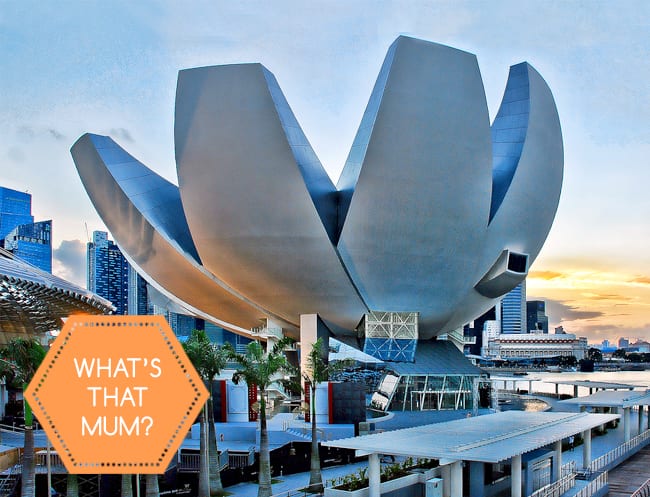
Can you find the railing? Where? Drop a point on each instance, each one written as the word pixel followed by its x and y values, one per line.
pixel 10 480
pixel 13 428
pixel 241 460
pixel 593 486
pixel 557 488
pixel 191 463
pixel 263 331
pixel 643 491
pixel 568 469
pixel 618 452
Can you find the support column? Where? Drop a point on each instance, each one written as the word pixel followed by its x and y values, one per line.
pixel 626 423
pixel 557 390
pixel 557 471
pixel 446 480
pixel 374 475
pixel 476 479
pixel 515 476
pixel 640 420
pixel 575 391
pixel 586 449
pixel 456 479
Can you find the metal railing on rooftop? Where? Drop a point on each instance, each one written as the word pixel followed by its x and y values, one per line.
pixel 557 488
pixel 593 486
pixel 618 452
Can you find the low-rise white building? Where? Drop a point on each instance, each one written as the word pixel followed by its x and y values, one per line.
pixel 535 346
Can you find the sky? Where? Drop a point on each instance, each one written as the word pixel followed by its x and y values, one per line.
pixel 71 67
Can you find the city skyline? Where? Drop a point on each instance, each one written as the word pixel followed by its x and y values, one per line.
pixel 112 69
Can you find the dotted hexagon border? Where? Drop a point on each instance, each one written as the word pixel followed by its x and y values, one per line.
pixel 105 464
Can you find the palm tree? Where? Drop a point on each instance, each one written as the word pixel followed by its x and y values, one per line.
pixel 317 370
pixel 127 486
pixel 20 360
pixel 208 360
pixel 261 368
pixel 72 485
pixel 151 486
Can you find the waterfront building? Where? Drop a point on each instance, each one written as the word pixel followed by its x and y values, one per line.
pixel 19 234
pixel 536 317
pixel 537 346
pixel 342 252
pixel 623 343
pixel 108 271
pixel 439 378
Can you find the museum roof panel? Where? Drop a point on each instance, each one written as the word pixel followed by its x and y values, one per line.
pixel 491 438
pixel 609 398
pixel 436 357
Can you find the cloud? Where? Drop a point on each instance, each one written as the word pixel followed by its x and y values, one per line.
pixel 559 311
pixel 644 280
pixel 546 275
pixel 56 134
pixel 121 134
pixel 611 332
pixel 69 261
pixel 618 298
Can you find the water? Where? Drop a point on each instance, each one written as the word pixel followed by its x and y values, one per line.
pixel 640 379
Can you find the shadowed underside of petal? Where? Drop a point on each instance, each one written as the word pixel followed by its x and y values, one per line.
pixel 144 214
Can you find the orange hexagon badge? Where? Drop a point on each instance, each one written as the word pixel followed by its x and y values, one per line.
pixel 116 394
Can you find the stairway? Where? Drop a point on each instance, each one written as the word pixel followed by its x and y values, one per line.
pixel 9 480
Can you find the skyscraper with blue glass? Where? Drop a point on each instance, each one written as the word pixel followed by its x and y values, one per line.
pixel 30 241
pixel 108 271
pixel 513 310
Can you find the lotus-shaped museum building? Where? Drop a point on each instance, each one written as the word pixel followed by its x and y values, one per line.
pixel 437 213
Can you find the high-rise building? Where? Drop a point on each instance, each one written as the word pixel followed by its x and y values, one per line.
pixel 536 318
pixel 138 298
pixel 623 343
pixel 32 243
pixel 15 209
pixel 513 310
pixel 108 271
pixel 19 234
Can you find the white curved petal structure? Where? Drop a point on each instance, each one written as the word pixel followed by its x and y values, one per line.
pixel 435 212
pixel 257 223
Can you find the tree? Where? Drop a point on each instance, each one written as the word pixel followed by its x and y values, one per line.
pixel 20 360
pixel 208 360
pixel 260 368
pixel 594 354
pixel 317 371
pixel 619 353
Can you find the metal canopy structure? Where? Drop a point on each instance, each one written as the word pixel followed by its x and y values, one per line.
pixel 492 438
pixel 34 302
pixel 608 398
pixel 602 385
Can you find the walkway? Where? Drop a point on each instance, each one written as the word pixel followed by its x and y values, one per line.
pixel 629 476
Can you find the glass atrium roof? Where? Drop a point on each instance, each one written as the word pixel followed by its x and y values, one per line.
pixel 34 302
